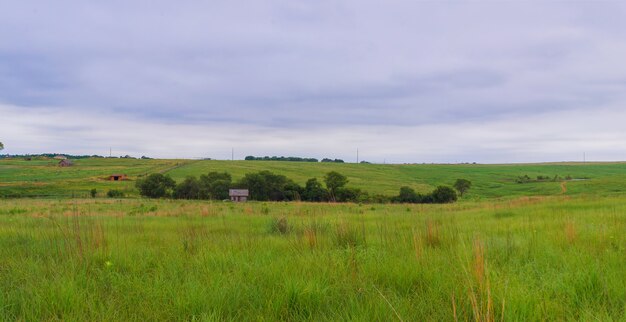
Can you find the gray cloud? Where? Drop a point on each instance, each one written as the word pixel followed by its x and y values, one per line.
pixel 284 68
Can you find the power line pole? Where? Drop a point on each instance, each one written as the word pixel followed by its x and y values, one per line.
pixel 357 155
pixel 232 154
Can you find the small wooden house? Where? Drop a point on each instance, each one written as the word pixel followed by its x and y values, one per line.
pixel 66 163
pixel 118 177
pixel 238 195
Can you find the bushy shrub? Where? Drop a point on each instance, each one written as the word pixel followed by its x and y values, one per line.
pixel 408 195
pixel 444 194
pixel 113 193
pixel 345 194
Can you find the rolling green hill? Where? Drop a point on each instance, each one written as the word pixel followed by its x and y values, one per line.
pixel 43 178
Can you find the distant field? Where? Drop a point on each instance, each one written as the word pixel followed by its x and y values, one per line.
pixel 43 178
pixel 523 259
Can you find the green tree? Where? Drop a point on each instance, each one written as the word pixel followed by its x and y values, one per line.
pixel 215 185
pixel 334 180
pixel 462 185
pixel 346 194
pixel 265 185
pixel 156 185
pixel 314 191
pixel 293 191
pixel 188 189
pixel 443 194
pixel 1 146
pixel 408 195
pixel 93 192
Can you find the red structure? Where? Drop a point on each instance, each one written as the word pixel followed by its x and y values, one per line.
pixel 118 177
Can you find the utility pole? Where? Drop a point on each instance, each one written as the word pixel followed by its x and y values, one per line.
pixel 110 152
pixel 584 157
pixel 357 155
pixel 232 154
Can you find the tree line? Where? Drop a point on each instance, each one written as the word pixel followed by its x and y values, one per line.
pixel 69 156
pixel 275 158
pixel 292 159
pixel 268 186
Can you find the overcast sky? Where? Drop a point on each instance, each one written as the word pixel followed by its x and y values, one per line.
pixel 402 81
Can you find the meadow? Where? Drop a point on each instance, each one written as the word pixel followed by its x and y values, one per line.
pixel 43 178
pixel 504 252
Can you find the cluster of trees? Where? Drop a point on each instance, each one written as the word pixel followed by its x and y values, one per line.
pixel 268 186
pixel 526 179
pixel 295 159
pixel 214 186
pixel 263 186
pixel 69 156
pixel 331 160
pixel 48 155
pixel 441 194
pixel 275 158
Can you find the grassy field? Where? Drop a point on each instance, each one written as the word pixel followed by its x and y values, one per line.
pixel 505 251
pixel 44 178
pixel 555 258
pixel 19 178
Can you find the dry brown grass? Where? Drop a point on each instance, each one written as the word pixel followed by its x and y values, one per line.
pixel 432 237
pixel 479 290
pixel 570 231
pixel 418 245
pixel 310 236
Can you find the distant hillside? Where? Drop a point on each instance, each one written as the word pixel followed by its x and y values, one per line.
pixel 44 178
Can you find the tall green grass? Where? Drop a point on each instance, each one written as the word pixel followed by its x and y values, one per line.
pixel 556 258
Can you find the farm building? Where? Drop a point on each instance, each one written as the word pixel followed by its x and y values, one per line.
pixel 238 195
pixel 65 163
pixel 118 177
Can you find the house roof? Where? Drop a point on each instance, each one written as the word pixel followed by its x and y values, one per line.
pixel 238 192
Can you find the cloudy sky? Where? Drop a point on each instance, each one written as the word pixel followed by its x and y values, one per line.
pixel 402 81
